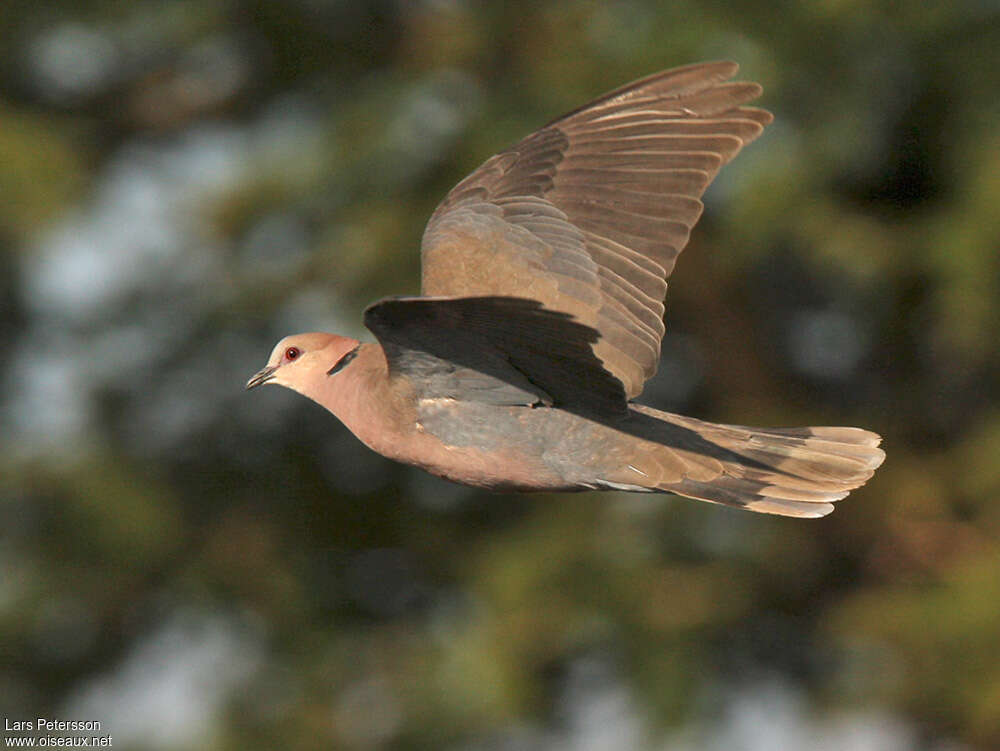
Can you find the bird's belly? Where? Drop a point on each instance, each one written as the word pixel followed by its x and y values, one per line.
pixel 485 446
pixel 507 472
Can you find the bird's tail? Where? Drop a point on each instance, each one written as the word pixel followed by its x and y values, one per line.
pixel 787 471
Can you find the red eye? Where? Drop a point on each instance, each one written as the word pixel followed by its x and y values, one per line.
pixel 292 352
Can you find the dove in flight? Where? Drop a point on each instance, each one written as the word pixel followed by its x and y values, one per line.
pixel 541 316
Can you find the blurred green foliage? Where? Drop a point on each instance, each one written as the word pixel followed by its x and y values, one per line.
pixel 184 183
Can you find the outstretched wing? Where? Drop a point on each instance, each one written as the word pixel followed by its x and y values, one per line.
pixel 589 214
pixel 497 350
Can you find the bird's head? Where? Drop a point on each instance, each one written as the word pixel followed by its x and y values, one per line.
pixel 301 361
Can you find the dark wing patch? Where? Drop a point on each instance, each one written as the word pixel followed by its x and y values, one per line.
pixel 495 350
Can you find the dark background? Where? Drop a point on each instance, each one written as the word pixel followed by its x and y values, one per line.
pixel 183 183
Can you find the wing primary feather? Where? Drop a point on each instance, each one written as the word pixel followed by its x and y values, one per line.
pixel 595 207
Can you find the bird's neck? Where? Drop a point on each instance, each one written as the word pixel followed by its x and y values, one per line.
pixel 376 408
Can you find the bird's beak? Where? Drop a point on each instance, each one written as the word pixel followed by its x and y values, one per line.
pixel 262 376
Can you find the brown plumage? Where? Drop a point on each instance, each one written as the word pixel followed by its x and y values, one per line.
pixel 544 276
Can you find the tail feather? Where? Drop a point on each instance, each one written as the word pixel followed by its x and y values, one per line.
pixel 788 471
pixel 749 496
pixel 858 436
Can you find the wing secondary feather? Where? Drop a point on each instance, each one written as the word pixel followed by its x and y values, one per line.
pixel 495 350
